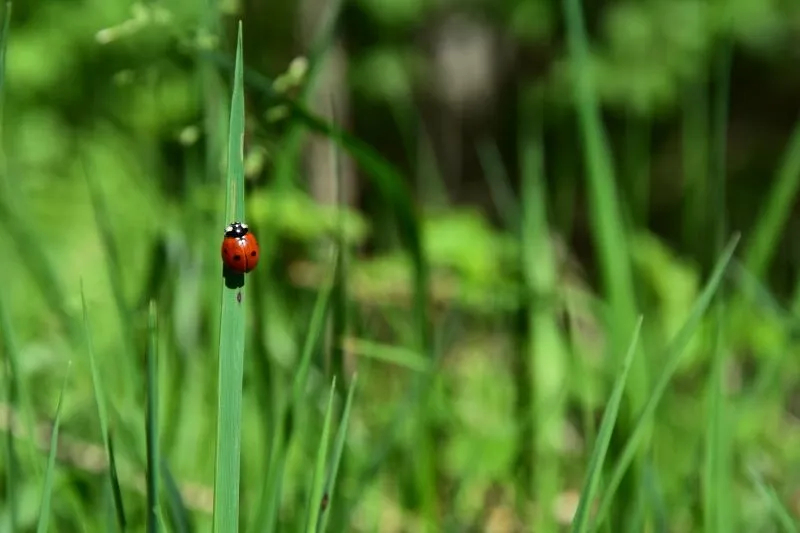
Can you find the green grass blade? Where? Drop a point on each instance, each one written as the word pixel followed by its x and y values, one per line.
pixel 17 390
pixel 580 523
pixel 671 357
pixel 151 424
pixel 47 489
pixel 232 331
pixel 116 490
pixel 284 430
pixel 13 379
pixel 500 188
pixel 718 463
pixel 765 237
pixel 318 480
pixel 114 273
pixel 395 355
pixel 102 415
pixel 606 213
pixel 339 316
pixel 695 162
pixel 11 397
pixel 181 519
pixel 609 234
pixel 338 449
pixel 32 253
pixel 543 367
pixel 779 510
pixel 3 49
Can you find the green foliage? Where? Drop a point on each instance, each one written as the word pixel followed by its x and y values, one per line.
pixel 498 385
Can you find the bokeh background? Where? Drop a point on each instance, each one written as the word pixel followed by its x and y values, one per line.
pixel 114 131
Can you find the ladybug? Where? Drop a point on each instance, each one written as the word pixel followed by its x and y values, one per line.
pixel 240 251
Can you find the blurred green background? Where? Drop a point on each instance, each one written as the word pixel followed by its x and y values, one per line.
pixel 540 253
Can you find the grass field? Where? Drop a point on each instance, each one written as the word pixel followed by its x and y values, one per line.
pixel 462 378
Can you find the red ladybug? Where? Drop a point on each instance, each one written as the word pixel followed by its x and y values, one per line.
pixel 239 248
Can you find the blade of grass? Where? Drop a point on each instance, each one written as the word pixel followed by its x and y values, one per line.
pixel 779 510
pixel 395 355
pixel 99 397
pixel 47 489
pixel 609 239
pixel 32 254
pixel 339 316
pixel 658 509
pixel 718 466
pixel 637 167
pixel 151 424
pixel 671 358
pixel 15 395
pixel 116 490
pixel 232 330
pixel 284 430
pixel 131 384
pixel 500 189
pixel 3 48
pixel 318 482
pixel 338 449
pixel 608 225
pixel 11 397
pixel 695 139
pixel 581 522
pixel 19 395
pixel 765 236
pixel 545 362
pixel 181 519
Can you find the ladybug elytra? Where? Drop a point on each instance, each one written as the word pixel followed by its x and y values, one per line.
pixel 240 251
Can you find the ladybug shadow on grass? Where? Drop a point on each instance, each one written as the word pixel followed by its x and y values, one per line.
pixel 233 279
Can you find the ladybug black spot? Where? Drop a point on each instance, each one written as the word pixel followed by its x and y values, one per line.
pixel 237 257
pixel 253 253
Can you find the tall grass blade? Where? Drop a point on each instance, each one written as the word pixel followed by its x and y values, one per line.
pixel 102 415
pixel 114 272
pixel 784 517
pixel 151 423
pixel 14 395
pixel 11 397
pixel 47 489
pixel 718 462
pixel 671 358
pixel 765 237
pixel 544 366
pixel 338 449
pixel 32 253
pixel 318 480
pixel 606 215
pixel 3 48
pixel 594 471
pixel 284 430
pixel 609 236
pixel 232 330
pixel 179 514
pixel 500 189
pixel 17 391
pixel 116 490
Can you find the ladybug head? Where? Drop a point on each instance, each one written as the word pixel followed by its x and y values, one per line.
pixel 236 229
